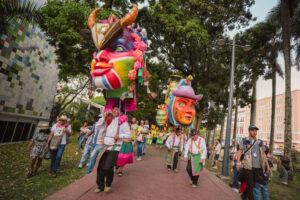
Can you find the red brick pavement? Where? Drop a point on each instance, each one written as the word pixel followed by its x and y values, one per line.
pixel 149 180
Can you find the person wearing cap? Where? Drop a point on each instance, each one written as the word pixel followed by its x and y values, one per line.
pixel 115 132
pixel 195 155
pixel 97 141
pixel 174 144
pixel 253 160
pixel 57 141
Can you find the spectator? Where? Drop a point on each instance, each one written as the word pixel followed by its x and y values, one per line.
pixel 83 131
pixel 146 135
pixel 233 158
pixel 286 166
pixel 88 148
pixel 217 153
pixel 38 152
pixel 253 160
pixel 57 141
pixel 140 140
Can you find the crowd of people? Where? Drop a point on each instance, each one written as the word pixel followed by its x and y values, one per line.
pixel 108 146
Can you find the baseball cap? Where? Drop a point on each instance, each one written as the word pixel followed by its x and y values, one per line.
pixel 253 127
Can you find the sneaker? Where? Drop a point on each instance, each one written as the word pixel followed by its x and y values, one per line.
pixel 169 169
pixel 29 175
pixel 87 164
pixel 53 174
pixel 191 182
pixel 215 167
pixel 107 189
pixel 76 153
pixel 285 183
pixel 120 174
pixel 139 158
pixel 176 170
pixel 98 190
pixel 80 166
pixel 194 186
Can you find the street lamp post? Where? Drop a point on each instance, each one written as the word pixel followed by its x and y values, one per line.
pixel 229 115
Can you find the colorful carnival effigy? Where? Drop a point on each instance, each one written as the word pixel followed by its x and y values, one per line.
pixel 181 109
pixel 173 83
pixel 161 115
pixel 118 63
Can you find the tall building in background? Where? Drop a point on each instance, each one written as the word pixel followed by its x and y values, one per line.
pixel 263 120
pixel 28 79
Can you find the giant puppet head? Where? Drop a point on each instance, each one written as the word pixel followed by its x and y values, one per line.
pixel 181 109
pixel 118 62
pixel 161 115
pixel 173 83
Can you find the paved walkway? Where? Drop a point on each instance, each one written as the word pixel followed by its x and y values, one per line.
pixel 149 180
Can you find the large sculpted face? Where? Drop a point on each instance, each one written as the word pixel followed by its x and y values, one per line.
pixel 110 67
pixel 161 117
pixel 184 110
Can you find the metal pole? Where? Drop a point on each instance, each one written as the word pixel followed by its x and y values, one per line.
pixel 229 115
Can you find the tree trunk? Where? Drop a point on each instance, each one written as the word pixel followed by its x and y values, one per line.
pixel 199 120
pixel 286 35
pixel 271 144
pixel 235 117
pixel 214 134
pixel 208 137
pixel 221 132
pixel 253 104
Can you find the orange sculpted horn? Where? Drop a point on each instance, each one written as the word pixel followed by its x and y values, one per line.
pixel 130 17
pixel 92 18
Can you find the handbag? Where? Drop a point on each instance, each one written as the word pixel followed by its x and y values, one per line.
pixel 55 142
pixel 47 155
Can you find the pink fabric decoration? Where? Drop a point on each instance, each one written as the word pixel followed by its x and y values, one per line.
pixel 123 119
pixel 132 74
pixel 137 65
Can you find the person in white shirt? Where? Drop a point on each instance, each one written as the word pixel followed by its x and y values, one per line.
pixel 174 144
pixel 57 141
pixel 217 154
pixel 195 154
pixel 108 154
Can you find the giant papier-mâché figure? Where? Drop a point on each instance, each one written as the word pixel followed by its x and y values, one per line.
pixel 181 109
pixel 161 115
pixel 118 63
pixel 173 83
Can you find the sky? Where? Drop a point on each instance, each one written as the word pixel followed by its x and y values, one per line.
pixel 264 87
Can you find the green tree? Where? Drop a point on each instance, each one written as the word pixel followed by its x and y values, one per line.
pixel 183 35
pixel 11 10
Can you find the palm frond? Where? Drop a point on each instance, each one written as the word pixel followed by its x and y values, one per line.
pixel 274 15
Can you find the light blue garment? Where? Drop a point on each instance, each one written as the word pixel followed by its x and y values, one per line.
pixel 86 152
pixel 260 189
pixel 93 157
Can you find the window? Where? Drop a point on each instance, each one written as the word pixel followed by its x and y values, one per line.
pixel 279 136
pixel 278 101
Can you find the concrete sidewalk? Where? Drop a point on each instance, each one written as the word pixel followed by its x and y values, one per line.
pixel 149 180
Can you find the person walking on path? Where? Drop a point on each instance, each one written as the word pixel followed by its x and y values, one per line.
pixel 195 154
pixel 97 143
pixel 108 154
pixel 126 152
pixel 134 127
pixel 140 140
pixel 84 130
pixel 286 166
pixel 146 131
pixel 57 141
pixel 38 152
pixel 233 158
pixel 174 144
pixel 88 147
pixel 217 153
pixel 253 160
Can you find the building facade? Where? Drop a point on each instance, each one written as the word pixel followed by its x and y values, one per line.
pixel 263 120
pixel 28 79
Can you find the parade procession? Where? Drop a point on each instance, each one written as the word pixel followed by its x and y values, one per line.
pixel 147 100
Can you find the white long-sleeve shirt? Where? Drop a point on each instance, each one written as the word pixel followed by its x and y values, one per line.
pixel 194 148
pixel 176 141
pixel 112 130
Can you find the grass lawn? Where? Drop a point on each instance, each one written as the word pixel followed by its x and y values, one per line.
pixel 14 166
pixel 277 191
